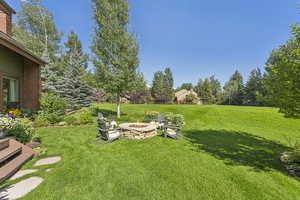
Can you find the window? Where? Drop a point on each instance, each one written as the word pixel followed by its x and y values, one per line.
pixel 11 92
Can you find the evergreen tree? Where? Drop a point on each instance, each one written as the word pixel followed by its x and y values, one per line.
pixel 158 89
pixel 115 48
pixel 74 44
pixel 168 86
pixel 215 89
pixel 77 93
pixel 254 87
pixel 234 90
pixel 49 76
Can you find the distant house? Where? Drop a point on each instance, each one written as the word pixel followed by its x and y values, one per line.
pixel 20 81
pixel 181 95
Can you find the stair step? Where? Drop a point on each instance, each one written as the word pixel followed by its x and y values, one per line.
pixel 4 143
pixel 11 167
pixel 9 152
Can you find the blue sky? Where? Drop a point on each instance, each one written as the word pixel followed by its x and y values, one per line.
pixel 196 38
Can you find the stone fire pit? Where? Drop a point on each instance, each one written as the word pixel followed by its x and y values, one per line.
pixel 139 130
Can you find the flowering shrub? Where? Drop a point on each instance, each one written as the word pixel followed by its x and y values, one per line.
pixel 6 123
pixel 15 112
pixel 22 129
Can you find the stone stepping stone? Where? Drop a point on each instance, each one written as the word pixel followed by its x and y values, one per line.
pixel 48 161
pixel 21 173
pixel 20 189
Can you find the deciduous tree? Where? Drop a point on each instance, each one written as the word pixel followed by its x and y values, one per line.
pixel 115 48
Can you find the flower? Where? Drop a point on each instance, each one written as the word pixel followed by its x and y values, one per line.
pixel 11 116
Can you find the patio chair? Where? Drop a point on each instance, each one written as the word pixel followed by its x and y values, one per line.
pixel 161 120
pixel 172 131
pixel 107 130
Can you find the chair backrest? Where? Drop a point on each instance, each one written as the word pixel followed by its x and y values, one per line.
pixel 100 115
pixel 103 126
pixel 161 117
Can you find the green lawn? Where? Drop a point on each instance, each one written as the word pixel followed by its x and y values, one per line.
pixel 229 153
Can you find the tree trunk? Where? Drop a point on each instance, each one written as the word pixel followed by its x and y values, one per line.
pixel 119 107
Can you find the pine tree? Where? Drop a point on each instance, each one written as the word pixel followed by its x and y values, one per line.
pixel 115 48
pixel 168 86
pixel 254 87
pixel 157 90
pixel 234 90
pixel 72 87
pixel 49 76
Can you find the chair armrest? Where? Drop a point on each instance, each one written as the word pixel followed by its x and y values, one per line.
pixel 103 130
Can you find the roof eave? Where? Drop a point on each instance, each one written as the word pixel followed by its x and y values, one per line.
pixel 7 6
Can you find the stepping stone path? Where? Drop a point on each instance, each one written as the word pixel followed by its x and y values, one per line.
pixel 21 173
pixel 48 161
pixel 20 189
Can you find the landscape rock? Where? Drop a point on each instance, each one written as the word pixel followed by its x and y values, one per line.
pixel 20 189
pixel 48 161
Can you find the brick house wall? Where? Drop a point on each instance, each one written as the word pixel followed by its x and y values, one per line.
pixel 31 86
pixel 5 20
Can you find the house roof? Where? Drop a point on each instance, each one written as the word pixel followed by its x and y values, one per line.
pixel 20 49
pixel 5 5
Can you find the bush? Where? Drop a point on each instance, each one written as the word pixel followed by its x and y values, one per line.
pixel 53 108
pixel 191 99
pixel 70 120
pixel 85 117
pixel 6 123
pixel 23 130
pixel 151 116
pixel 176 119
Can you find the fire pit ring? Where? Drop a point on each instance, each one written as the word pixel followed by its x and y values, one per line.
pixel 138 131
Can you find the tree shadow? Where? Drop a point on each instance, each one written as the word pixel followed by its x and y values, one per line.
pixel 107 113
pixel 239 148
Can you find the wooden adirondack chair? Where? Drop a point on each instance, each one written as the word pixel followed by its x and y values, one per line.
pixel 107 132
pixel 172 131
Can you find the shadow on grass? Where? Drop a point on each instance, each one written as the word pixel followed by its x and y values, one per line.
pixel 239 148
pixel 107 113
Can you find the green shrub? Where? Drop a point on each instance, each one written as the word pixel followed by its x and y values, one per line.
pixel 151 116
pixel 70 120
pixel 53 108
pixel 191 99
pixel 174 118
pixel 23 130
pixel 85 117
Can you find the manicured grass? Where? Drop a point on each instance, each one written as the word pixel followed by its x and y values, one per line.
pixel 229 153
